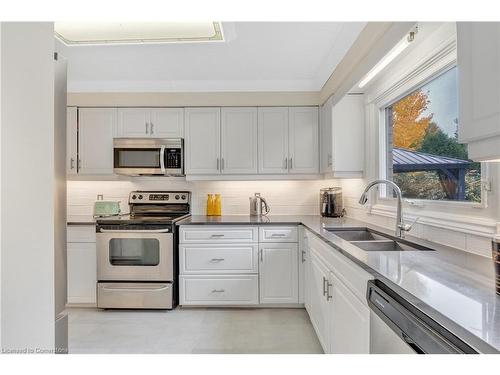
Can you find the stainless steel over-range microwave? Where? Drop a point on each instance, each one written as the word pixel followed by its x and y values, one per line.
pixel 148 156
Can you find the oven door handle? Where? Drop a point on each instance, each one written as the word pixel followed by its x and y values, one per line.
pixel 162 159
pixel 135 231
pixel 139 289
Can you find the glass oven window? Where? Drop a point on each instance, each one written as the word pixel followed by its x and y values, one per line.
pixel 137 158
pixel 134 252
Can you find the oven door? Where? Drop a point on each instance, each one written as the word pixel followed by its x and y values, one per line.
pixel 135 255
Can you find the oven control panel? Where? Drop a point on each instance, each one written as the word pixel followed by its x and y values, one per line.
pixel 159 197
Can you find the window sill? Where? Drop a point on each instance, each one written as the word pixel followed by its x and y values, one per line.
pixel 478 226
pixel 427 203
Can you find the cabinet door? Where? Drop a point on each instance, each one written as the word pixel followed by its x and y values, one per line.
pixel 279 273
pixel 96 128
pixel 71 140
pixel 82 274
pixel 325 122
pixel 167 123
pixel 202 128
pixel 273 140
pixel 239 140
pixel 349 321
pixel 133 122
pixel 303 140
pixel 319 311
pixel 348 118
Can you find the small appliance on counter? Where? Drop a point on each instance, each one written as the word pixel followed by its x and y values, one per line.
pixel 330 202
pixel 104 208
pixel 258 205
pixel 137 264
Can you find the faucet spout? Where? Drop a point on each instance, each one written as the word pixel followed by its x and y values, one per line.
pixel 400 225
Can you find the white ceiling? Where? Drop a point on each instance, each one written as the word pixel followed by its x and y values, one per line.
pixel 255 56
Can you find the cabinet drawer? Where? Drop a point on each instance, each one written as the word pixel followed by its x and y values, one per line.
pixel 202 259
pixel 218 234
pixel 80 233
pixel 278 234
pixel 219 290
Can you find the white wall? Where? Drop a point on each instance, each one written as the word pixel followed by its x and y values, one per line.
pixel 27 174
pixel 463 226
pixel 284 197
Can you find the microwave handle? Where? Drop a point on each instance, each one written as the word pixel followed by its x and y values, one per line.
pixel 162 159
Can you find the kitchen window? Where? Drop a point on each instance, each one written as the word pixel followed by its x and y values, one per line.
pixel 423 154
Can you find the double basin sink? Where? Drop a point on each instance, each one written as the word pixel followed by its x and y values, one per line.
pixel 371 240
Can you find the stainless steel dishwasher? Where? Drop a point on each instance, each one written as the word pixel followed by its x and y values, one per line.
pixel 397 327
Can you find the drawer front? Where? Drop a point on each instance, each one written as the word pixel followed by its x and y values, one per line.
pixel 217 259
pixel 134 295
pixel 218 234
pixel 219 290
pixel 81 233
pixel 278 234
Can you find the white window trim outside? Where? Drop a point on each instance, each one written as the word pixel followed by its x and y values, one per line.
pixel 438 61
pixel 419 76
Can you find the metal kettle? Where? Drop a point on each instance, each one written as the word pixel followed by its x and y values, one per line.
pixel 258 205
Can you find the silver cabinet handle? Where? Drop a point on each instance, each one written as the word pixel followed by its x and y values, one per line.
pixel 303 256
pixel 216 259
pixel 328 285
pixel 218 291
pixel 217 235
pixel 324 286
pixel 286 164
pixel 151 127
pixel 291 165
pixel 146 130
pixel 79 165
pixel 222 164
pixel 72 163
pixel 217 163
pixel 278 235
pixel 261 255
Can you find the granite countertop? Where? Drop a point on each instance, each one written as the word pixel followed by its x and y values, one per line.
pixel 455 288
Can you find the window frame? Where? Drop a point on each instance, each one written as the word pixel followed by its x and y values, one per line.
pixel 404 90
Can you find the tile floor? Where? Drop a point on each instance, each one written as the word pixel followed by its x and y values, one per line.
pixel 192 331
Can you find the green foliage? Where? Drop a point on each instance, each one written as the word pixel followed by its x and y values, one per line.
pixel 437 142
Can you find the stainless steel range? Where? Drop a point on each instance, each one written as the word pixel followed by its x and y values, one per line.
pixel 136 255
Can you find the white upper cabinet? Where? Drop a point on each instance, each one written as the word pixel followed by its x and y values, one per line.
pixel 167 123
pixel 303 140
pixel 202 128
pixel 325 128
pixel 342 140
pixel 478 49
pixel 71 140
pixel 239 140
pixel 348 132
pixel 150 122
pixel 96 129
pixel 279 273
pixel 133 122
pixel 273 140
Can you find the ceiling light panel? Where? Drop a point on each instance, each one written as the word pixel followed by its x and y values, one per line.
pixel 84 33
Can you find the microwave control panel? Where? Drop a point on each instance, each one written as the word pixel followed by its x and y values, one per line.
pixel 173 158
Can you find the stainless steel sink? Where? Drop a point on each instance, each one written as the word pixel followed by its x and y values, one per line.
pixel 363 234
pixel 388 245
pixel 370 240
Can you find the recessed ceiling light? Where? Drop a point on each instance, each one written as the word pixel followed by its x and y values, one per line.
pixel 84 33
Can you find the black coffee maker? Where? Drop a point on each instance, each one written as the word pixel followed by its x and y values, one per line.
pixel 330 202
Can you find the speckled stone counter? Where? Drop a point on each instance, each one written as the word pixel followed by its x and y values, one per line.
pixel 455 288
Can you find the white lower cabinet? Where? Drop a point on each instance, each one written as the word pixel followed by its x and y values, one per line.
pixel 81 268
pixel 279 273
pixel 238 265
pixel 349 321
pixel 335 300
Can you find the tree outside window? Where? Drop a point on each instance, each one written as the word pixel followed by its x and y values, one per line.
pixel 424 156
